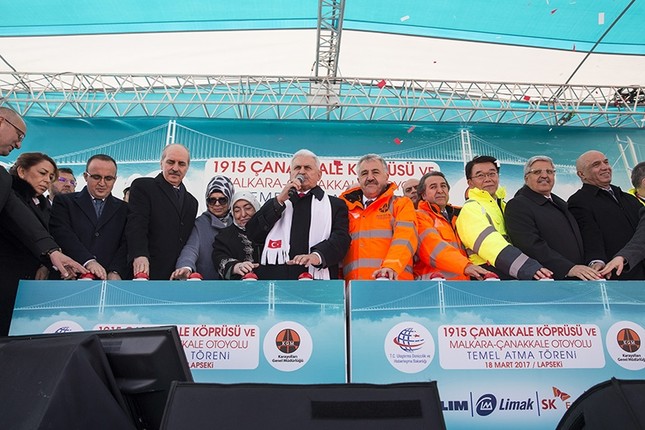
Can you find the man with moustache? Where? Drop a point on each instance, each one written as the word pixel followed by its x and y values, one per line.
pixel 482 229
pixel 607 216
pixel 161 216
pixel 303 229
pixel 540 224
pixel 382 226
pixel 440 249
pixel 90 225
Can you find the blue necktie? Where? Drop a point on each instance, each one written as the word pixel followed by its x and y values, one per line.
pixel 98 207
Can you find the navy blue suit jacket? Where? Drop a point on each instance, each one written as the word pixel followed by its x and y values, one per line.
pixel 83 237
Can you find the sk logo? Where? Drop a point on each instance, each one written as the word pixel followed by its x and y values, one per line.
pixel 562 395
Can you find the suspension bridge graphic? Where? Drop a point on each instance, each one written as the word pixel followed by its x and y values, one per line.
pixel 106 294
pixel 443 295
pixel 146 147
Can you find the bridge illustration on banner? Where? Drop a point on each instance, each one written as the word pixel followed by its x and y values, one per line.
pixel 146 146
pixel 444 295
pixel 105 294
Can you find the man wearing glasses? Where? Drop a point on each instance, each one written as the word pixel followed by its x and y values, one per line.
pixel 65 184
pixel 482 229
pixel 540 224
pixel 89 225
pixel 161 216
pixel 16 216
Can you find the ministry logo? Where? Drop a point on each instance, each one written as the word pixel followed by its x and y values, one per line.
pixel 409 347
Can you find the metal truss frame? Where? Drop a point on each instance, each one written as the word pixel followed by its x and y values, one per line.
pixel 321 98
pixel 330 26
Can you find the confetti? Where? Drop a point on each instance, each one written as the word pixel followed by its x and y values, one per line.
pixel 601 18
pixel 405 18
pixel 381 84
pixel 398 141
pixel 553 11
pixel 411 129
pixel 526 98
pixel 574 46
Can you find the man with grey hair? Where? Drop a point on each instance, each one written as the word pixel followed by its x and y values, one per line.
pixel 303 229
pixel 606 215
pixel 161 216
pixel 540 224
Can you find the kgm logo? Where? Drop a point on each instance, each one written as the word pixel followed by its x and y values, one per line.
pixel 485 405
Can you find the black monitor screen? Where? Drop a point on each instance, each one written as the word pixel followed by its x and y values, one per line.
pixel 144 362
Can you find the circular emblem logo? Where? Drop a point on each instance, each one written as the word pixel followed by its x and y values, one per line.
pixel 287 346
pixel 624 345
pixel 628 340
pixel 287 340
pixel 63 326
pixel 409 347
pixel 486 404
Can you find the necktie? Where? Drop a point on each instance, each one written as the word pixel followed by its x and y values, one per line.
pixel 369 202
pixel 177 193
pixel 445 214
pixel 301 195
pixel 611 192
pixel 98 207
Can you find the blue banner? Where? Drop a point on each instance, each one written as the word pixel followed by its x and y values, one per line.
pixel 232 331
pixel 511 354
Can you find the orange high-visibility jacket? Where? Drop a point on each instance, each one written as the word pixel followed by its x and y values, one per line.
pixel 383 235
pixel 440 250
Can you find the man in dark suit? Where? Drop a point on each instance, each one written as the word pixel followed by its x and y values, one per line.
pixel 90 225
pixel 607 216
pixel 540 224
pixel 17 217
pixel 303 230
pixel 631 255
pixel 161 216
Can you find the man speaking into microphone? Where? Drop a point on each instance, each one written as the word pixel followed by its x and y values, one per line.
pixel 302 229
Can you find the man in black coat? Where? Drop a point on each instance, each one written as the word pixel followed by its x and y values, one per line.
pixel 161 215
pixel 303 230
pixel 631 255
pixel 607 216
pixel 90 225
pixel 15 216
pixel 540 224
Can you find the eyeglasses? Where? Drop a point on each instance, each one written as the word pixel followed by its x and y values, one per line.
pixel 212 201
pixel 21 134
pixel 480 176
pixel 538 172
pixel 98 178
pixel 63 180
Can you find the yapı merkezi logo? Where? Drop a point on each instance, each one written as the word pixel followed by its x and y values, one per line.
pixel 409 347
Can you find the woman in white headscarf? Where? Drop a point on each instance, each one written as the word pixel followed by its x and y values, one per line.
pixel 196 254
pixel 233 253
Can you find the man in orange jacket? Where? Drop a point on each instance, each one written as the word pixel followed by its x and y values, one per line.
pixel 440 250
pixel 382 226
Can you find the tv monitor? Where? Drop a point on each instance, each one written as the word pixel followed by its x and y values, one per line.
pixel 144 362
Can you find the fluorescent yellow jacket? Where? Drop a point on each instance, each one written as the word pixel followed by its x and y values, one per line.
pixel 482 230
pixel 383 235
pixel 633 193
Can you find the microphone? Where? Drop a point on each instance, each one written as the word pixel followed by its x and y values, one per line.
pixel 292 191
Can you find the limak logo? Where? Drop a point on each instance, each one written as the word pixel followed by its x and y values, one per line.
pixel 487 404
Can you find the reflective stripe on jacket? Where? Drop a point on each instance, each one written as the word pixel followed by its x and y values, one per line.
pixel 383 235
pixel 440 250
pixel 482 230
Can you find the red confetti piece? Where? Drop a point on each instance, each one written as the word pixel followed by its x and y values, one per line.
pixel 411 129
pixel 526 98
pixel 381 84
pixel 397 141
pixel 553 11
